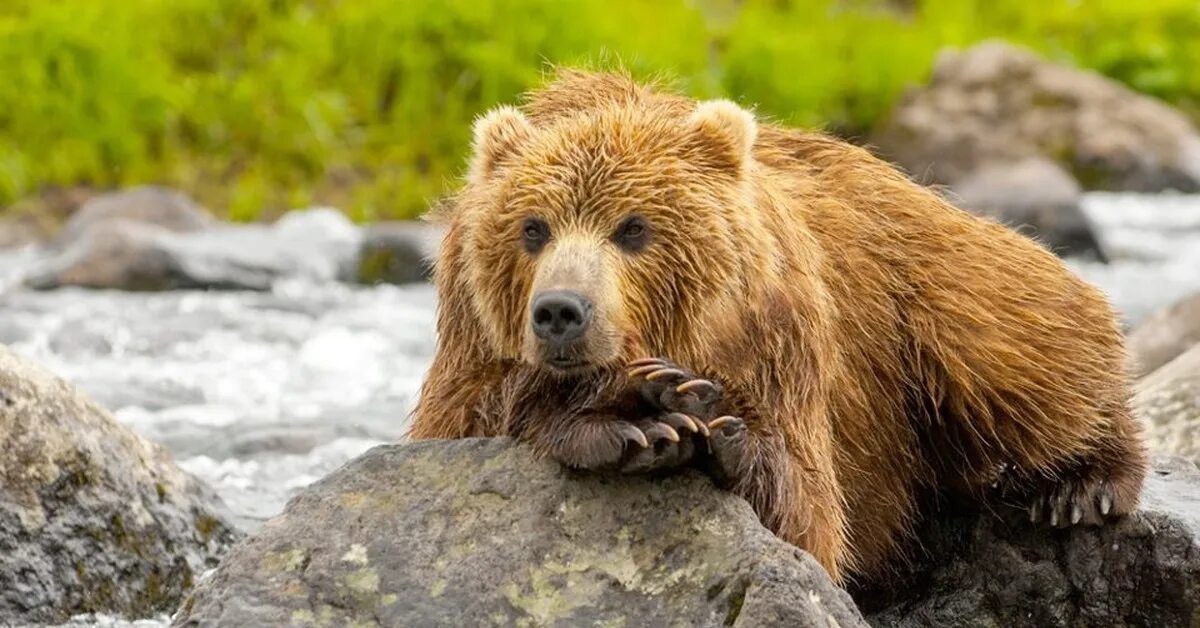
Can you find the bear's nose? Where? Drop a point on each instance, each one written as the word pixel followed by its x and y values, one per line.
pixel 561 316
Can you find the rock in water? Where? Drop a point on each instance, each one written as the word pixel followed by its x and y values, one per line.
pixel 998 103
pixel 120 254
pixel 1168 401
pixel 92 517
pixel 316 244
pixel 984 570
pixel 1036 197
pixel 160 207
pixel 1166 335
pixel 477 532
pixel 397 252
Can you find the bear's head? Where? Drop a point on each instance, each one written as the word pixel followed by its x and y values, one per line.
pixel 610 232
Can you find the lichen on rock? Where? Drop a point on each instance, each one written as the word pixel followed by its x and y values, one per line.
pixel 93 518
pixel 479 532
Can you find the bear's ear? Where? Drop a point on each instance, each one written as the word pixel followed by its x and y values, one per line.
pixel 498 133
pixel 725 133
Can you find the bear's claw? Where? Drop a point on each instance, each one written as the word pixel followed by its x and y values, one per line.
pixel 727 449
pixel 667 449
pixel 664 372
pixel 658 431
pixel 674 389
pixel 701 387
pixel 647 362
pixel 679 421
pixel 644 369
pixel 1071 502
pixel 632 434
pixel 718 422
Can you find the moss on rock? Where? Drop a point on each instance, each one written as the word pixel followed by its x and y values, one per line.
pixel 478 532
pixel 92 517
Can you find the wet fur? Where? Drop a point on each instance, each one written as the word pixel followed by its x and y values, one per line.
pixel 879 343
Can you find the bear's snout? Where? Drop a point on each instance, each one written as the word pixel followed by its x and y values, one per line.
pixel 560 317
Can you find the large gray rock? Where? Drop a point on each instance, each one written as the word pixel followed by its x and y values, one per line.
pixel 397 252
pixel 989 570
pixel 316 244
pixel 998 103
pixel 1034 196
pixel 161 207
pixel 92 517
pixel 477 532
pixel 1168 401
pixel 1166 335
pixel 119 254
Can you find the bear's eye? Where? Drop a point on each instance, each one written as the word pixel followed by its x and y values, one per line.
pixel 632 234
pixel 534 233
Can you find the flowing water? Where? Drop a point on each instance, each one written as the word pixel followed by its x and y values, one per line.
pixel 1154 241
pixel 257 393
pixel 260 393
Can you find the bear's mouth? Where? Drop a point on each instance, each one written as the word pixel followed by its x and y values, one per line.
pixel 565 363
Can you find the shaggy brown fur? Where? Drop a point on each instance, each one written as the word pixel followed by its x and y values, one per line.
pixel 877 342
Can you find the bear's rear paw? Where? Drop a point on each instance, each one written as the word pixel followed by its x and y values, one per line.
pixel 1088 496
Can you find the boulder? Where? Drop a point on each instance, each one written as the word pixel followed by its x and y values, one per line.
pixel 92 517
pixel 998 103
pixel 118 254
pixel 1168 401
pixel 19 231
pixel 316 244
pixel 164 208
pixel 1034 196
pixel 997 570
pixel 1165 335
pixel 396 253
pixel 478 532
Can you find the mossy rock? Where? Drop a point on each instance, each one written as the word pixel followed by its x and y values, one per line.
pixel 92 517
pixel 478 532
pixel 995 569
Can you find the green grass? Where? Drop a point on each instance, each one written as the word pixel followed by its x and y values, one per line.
pixel 256 106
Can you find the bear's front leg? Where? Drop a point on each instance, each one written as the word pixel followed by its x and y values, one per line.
pixel 793 488
pixel 690 402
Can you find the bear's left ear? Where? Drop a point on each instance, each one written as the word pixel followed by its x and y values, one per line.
pixel 724 133
pixel 498 133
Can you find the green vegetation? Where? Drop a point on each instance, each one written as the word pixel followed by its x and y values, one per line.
pixel 255 106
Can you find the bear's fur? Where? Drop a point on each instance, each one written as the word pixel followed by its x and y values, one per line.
pixel 880 344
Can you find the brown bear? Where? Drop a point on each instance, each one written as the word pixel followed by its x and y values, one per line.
pixel 635 281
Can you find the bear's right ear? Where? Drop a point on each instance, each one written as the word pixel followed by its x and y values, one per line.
pixel 724 134
pixel 498 133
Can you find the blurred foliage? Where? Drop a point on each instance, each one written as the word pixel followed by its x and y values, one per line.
pixel 255 106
